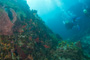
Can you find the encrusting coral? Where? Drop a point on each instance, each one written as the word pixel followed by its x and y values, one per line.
pixel 24 36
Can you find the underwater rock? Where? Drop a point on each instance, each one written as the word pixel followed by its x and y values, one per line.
pixel 78 44
pixel 85 41
pixel 68 51
pixel 24 32
pixel 26 37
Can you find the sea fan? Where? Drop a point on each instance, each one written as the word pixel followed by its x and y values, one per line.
pixel 5 23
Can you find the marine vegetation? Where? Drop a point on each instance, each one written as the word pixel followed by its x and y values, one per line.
pixel 24 36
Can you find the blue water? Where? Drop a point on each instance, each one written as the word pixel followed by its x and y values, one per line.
pixel 55 12
pixel 25 33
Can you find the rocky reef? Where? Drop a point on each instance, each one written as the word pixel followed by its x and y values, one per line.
pixel 24 36
pixel 85 41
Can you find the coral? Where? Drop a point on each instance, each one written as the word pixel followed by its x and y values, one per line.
pixel 23 33
pixel 20 52
pixel 14 15
pixel 68 51
pixel 26 37
pixel 5 24
pixel 30 57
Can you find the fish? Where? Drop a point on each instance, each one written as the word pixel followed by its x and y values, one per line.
pixel 46 46
pixel 37 39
